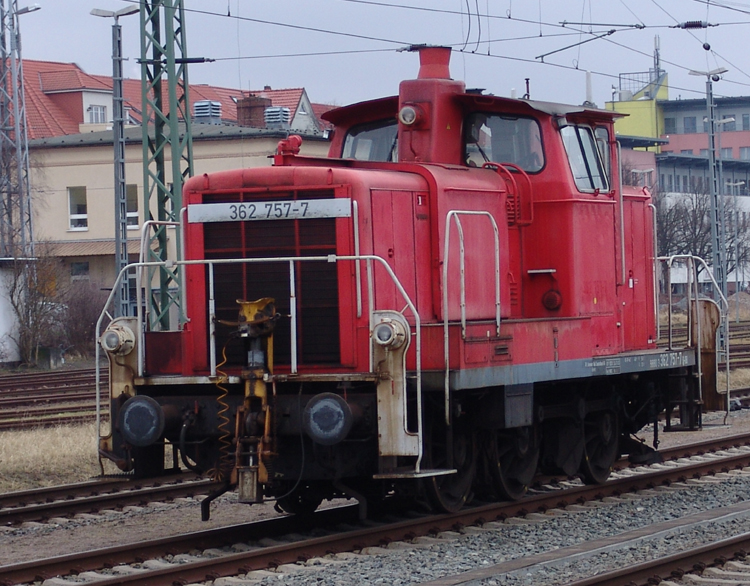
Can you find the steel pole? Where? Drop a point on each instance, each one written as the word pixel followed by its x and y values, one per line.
pixel 716 233
pixel 122 296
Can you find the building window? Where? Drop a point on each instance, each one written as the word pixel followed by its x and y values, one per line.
pixel 685 188
pixel 746 122
pixel 688 124
pixel 729 126
pixel 131 193
pixel 670 185
pixel 704 153
pixel 745 153
pixel 79 270
pixel 97 114
pixel 669 126
pixel 686 152
pixel 78 214
pixel 726 153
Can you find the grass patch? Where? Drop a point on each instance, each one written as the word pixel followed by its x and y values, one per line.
pixel 48 456
pixel 738 378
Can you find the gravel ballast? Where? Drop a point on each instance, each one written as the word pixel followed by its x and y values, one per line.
pixel 430 558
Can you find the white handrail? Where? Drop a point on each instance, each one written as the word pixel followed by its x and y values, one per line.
pixel 369 259
pixel 723 312
pixel 454 215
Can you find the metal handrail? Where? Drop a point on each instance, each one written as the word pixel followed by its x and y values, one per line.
pixel 692 281
pixel 139 267
pixel 455 216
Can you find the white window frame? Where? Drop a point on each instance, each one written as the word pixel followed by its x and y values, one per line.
pixel 97 114
pixel 77 222
pixel 132 215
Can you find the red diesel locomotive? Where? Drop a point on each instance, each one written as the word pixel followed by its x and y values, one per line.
pixel 460 296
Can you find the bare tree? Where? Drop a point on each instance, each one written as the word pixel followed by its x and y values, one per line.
pixel 33 292
pixel 82 306
pixel 683 226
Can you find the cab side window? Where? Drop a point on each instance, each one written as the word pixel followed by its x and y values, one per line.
pixel 583 156
pixel 503 139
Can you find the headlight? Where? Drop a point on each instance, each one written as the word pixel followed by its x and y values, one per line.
pixel 118 339
pixel 389 334
pixel 411 115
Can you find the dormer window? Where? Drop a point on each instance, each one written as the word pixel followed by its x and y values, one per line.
pixel 97 114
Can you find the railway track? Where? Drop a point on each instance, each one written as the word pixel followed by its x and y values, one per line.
pixel 96 495
pixel 722 563
pixel 40 505
pixel 57 379
pixel 44 399
pixel 156 562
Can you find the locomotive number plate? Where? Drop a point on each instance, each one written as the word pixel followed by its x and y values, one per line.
pixel 298 209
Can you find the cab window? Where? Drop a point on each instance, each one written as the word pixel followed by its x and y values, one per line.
pixel 374 141
pixel 602 142
pixel 503 139
pixel 584 159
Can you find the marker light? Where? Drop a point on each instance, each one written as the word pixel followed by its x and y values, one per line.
pixel 118 339
pixel 389 334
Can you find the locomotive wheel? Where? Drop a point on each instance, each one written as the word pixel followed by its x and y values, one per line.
pixel 301 501
pixel 448 493
pixel 513 458
pixel 602 439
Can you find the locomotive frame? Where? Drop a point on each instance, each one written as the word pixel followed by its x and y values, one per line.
pixel 414 316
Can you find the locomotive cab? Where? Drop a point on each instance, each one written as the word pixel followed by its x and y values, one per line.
pixel 459 296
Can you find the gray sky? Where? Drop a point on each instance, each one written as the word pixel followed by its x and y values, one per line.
pixel 372 30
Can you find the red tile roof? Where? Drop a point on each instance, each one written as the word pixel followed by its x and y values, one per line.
pixel 70 79
pixel 319 110
pixel 289 98
pixel 45 118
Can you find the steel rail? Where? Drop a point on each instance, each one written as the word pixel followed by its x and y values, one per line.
pixel 129 493
pixel 675 565
pixel 347 540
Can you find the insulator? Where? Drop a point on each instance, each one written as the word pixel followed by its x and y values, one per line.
pixel 693 24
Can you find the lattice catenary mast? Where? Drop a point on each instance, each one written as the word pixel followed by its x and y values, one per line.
pixel 163 53
pixel 16 234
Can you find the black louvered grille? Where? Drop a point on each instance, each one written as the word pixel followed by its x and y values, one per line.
pixel 316 282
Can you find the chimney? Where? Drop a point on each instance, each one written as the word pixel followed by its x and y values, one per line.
pixel 251 110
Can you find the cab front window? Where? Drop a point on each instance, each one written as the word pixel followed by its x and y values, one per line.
pixel 497 138
pixel 373 141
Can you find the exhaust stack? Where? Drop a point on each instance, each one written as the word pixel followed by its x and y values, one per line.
pixel 434 62
pixel 430 121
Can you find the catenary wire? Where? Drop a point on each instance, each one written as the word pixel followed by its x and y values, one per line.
pixel 401 42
